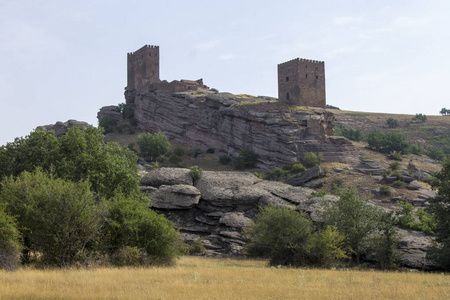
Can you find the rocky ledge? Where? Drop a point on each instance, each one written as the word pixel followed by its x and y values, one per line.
pixel 217 208
pixel 228 123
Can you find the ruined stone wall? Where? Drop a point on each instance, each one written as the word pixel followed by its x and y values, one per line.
pixel 302 82
pixel 143 68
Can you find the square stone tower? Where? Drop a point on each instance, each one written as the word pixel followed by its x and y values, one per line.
pixel 301 82
pixel 143 68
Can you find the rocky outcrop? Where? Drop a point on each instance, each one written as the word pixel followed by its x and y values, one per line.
pixel 303 178
pixel 113 112
pixel 370 167
pixel 277 133
pixel 218 207
pixel 61 128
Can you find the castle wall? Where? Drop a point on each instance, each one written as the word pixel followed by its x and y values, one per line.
pixel 302 82
pixel 143 68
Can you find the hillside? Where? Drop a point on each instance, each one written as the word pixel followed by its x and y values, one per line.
pixel 434 132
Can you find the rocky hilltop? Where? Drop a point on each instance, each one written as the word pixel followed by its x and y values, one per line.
pixel 229 123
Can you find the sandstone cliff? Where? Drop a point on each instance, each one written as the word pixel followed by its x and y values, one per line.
pixel 228 123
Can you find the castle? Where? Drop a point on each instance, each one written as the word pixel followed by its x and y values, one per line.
pixel 301 82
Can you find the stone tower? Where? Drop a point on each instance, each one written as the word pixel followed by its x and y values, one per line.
pixel 302 82
pixel 143 68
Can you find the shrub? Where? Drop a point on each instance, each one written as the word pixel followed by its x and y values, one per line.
pixel 398 184
pixel 348 132
pixel 195 152
pixel 436 153
pixel 224 159
pixel 129 256
pixel 245 160
pixel 385 191
pixel 194 247
pixel 384 244
pixel 287 237
pixel 337 183
pixel 174 159
pixel 195 172
pixel 396 156
pixel 179 151
pixel 108 124
pixel 153 146
pixel 210 150
pixel 394 165
pixel 311 159
pixel 392 123
pixel 417 149
pixel 420 117
pixel 10 241
pixel 276 174
pixel 132 223
pixel 58 218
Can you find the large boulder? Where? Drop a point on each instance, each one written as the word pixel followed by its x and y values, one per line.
pixel 235 220
pixel 413 247
pixel 414 185
pixel 305 177
pixel 420 175
pixel 60 128
pixel 370 167
pixel 227 188
pixel 314 206
pixel 285 192
pixel 175 197
pixel 167 176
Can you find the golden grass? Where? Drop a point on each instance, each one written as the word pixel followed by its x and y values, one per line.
pixel 208 278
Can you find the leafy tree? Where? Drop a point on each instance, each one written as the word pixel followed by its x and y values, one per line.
pixel 10 241
pixel 108 123
pixel 287 237
pixel 395 142
pixel 348 132
pixel 445 112
pixel 311 159
pixel 131 223
pixel 384 244
pixel 245 160
pixel 153 146
pixel 57 218
pixel 77 155
pixel 375 139
pixel 392 123
pixel 436 153
pixel 355 218
pixel 440 207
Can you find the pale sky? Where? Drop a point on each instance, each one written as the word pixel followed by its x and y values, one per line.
pixel 62 60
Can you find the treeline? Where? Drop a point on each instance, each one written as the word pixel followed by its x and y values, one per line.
pixel 76 199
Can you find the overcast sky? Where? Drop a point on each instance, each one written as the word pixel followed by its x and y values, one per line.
pixel 62 60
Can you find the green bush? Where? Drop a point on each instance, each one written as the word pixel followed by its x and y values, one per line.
pixel 129 256
pixel 385 191
pixel 132 223
pixel 406 218
pixel 153 146
pixel 392 123
pixel 245 160
pixel 398 184
pixel 417 149
pixel 311 159
pixel 10 241
pixel 195 172
pixel 394 165
pixel 436 153
pixel 108 124
pixel 210 150
pixel 179 151
pixel 276 174
pixel 174 159
pixel 396 156
pixel 287 237
pixel 224 159
pixel 348 132
pixel 58 219
pixel 420 117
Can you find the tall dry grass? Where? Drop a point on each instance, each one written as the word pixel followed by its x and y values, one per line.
pixel 207 278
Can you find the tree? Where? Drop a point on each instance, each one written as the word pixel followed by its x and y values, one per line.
pixel 355 218
pixel 153 146
pixel 131 223
pixel 287 237
pixel 440 207
pixel 375 139
pixel 77 155
pixel 420 117
pixel 445 112
pixel 10 241
pixel 392 123
pixel 57 218
pixel 245 160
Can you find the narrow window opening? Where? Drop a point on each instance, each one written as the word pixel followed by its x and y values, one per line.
pixel 287 78
pixel 287 96
pixel 317 77
pixel 306 75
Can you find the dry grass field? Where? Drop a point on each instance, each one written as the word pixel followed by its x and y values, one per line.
pixel 208 278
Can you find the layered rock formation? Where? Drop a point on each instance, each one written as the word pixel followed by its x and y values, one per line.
pixel 61 128
pixel 217 208
pixel 277 133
